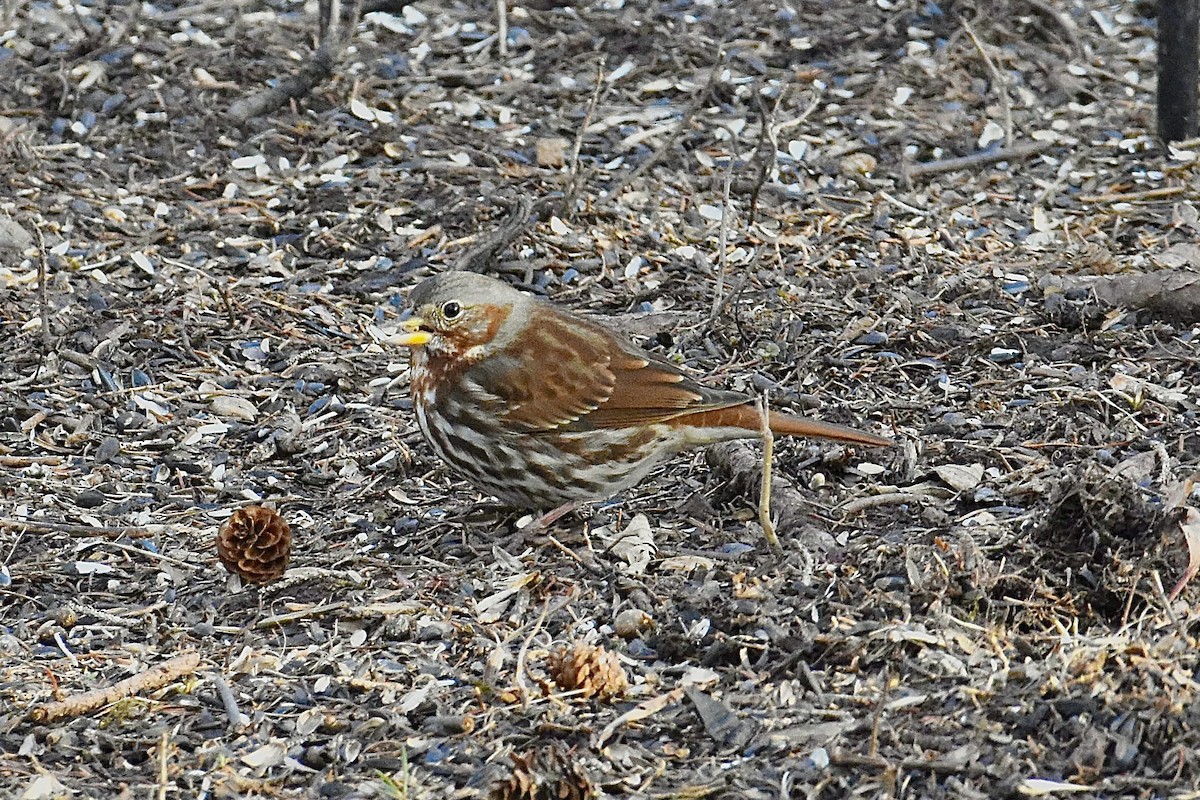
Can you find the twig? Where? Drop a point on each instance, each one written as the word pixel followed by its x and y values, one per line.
pixel 813 105
pixel 574 179
pixel 87 34
pixel 723 236
pixel 1169 293
pixel 502 27
pixel 142 552
pixel 944 767
pixel 318 70
pixel 334 35
pixel 43 302
pixel 488 248
pixel 1115 78
pixel 25 461
pixel 83 360
pixel 767 148
pixel 295 616
pixel 147 681
pixel 163 741
pixel 888 499
pixel 1063 21
pixel 66 651
pixel 692 331
pixel 901 204
pixel 1050 190
pixel 684 123
pixel 1186 144
pixel 1156 579
pixel 1001 84
pixel 237 720
pixel 764 492
pixel 645 709
pixel 1188 526
pixel 1132 197
pixel 523 654
pixel 1017 151
pixel 562 548
pixel 738 465
pixel 72 529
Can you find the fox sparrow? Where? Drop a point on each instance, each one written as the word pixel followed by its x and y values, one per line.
pixel 544 408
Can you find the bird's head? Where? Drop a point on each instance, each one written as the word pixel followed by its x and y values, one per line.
pixel 462 316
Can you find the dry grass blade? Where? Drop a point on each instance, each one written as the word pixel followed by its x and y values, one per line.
pixel 1189 526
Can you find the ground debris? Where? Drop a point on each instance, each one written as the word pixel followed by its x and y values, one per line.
pixel 871 213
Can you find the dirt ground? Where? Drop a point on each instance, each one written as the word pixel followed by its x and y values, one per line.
pixel 990 609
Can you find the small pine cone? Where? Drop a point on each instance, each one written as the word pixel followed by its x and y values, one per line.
pixel 590 668
pixel 548 773
pixel 255 543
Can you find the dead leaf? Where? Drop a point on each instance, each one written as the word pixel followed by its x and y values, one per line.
pixel 269 755
pixel 44 787
pixel 634 545
pixel 960 477
pixel 639 712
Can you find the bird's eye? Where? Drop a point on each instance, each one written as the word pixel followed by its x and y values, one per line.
pixel 451 309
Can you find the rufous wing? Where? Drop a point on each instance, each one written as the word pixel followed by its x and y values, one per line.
pixel 570 373
pixel 567 372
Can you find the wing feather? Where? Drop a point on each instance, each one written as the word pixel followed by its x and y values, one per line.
pixel 570 373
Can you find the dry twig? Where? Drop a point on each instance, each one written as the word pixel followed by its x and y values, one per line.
pixel 74 529
pixel 488 248
pixel 764 492
pixel 681 128
pixel 723 236
pixel 575 180
pixel 43 300
pixel 147 681
pixel 998 79
pixel 1014 153
pixel 336 26
pixel 502 28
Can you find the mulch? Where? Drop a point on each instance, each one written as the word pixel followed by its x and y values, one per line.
pixel 890 214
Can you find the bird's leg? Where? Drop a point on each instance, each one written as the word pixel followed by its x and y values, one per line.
pixel 552 516
pixel 540 525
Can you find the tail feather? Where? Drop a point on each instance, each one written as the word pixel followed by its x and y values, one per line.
pixel 746 416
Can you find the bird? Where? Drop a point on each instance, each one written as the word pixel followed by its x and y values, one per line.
pixel 546 409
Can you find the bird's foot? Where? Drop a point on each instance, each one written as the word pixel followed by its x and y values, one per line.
pixel 538 526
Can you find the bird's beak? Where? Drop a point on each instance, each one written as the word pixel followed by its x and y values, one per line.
pixel 413 335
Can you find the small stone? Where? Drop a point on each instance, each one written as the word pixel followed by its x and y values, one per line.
pixel 632 623
pixel 14 240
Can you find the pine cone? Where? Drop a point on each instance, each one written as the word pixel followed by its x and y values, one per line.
pixel 255 543
pixel 596 672
pixel 547 773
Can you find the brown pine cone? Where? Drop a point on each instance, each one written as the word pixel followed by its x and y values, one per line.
pixel 594 671
pixel 547 773
pixel 255 543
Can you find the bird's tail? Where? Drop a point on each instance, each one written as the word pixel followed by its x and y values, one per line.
pixel 746 416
